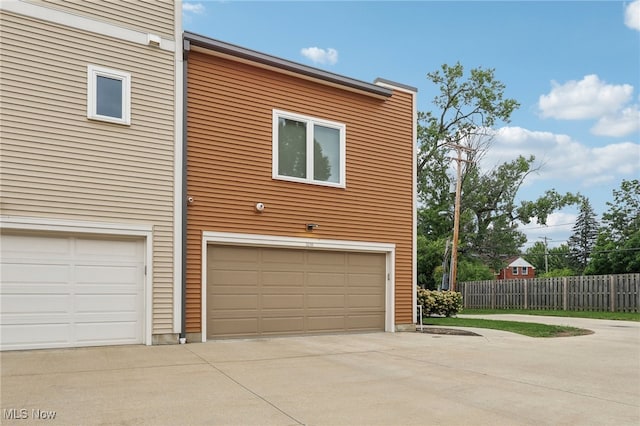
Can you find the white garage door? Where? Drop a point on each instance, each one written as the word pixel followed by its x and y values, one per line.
pixel 65 291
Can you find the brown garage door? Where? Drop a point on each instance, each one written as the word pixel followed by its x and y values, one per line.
pixel 255 291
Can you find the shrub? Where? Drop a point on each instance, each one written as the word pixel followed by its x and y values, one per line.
pixel 445 303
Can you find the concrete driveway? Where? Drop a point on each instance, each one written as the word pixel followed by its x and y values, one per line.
pixel 358 379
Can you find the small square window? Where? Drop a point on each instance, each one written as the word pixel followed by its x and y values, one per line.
pixel 108 95
pixel 514 270
pixel 309 150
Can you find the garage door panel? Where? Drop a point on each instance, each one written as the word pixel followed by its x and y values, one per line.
pixel 35 247
pixel 233 326
pixel 283 278
pixel 104 302
pixel 121 332
pixel 64 290
pixel 369 260
pixel 112 274
pixel 299 291
pixel 234 301
pixel 45 272
pixel 366 280
pixel 327 259
pixel 282 301
pixel 282 257
pixel 106 249
pixel 326 279
pixel 33 304
pixel 105 317
pixel 326 301
pixel 365 300
pixel 35 335
pixel 326 323
pixel 365 322
pixel 234 278
pixel 34 319
pixel 283 325
pixel 236 255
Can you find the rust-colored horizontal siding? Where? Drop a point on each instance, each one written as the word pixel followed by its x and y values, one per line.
pixel 230 107
pixel 57 164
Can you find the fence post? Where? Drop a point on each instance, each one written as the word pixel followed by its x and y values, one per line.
pixel 565 291
pixel 526 293
pixel 612 295
pixel 493 294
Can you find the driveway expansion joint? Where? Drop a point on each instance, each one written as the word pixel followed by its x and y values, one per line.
pixel 246 388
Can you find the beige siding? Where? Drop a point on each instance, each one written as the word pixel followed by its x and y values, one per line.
pixel 229 166
pixel 58 164
pixel 153 16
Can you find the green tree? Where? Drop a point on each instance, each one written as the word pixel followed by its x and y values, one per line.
pixel 431 255
pixel 491 214
pixel 617 247
pixel 557 259
pixel 554 273
pixel 474 270
pixel 465 110
pixel 583 237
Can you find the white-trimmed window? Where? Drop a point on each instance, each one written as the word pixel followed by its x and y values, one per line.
pixel 525 270
pixel 108 95
pixel 308 149
pixel 514 270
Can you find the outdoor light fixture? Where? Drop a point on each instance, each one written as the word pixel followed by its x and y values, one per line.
pixel 312 226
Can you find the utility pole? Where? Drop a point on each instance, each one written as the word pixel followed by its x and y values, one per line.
pixel 456 212
pixel 546 254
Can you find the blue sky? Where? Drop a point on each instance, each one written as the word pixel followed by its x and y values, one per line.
pixel 573 66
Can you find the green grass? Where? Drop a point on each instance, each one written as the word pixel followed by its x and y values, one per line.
pixel 621 316
pixel 525 328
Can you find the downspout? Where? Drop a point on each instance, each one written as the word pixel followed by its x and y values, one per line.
pixel 185 204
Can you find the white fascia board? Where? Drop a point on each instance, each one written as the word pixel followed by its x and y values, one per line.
pixel 78 22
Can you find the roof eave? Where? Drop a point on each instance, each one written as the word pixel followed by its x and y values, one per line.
pixel 244 54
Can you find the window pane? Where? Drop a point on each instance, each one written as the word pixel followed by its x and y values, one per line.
pixel 292 148
pixel 109 97
pixel 326 154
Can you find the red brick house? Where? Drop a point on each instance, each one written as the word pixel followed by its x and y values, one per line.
pixel 517 267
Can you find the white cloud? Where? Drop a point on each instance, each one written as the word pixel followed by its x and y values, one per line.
pixel 196 8
pixel 320 56
pixel 585 99
pixel 625 123
pixel 632 15
pixel 558 228
pixel 563 158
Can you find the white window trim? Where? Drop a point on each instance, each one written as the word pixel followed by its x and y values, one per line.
pixel 310 148
pixel 525 270
pixel 93 72
pixel 514 270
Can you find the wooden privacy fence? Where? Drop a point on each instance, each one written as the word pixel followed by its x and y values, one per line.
pixel 615 293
